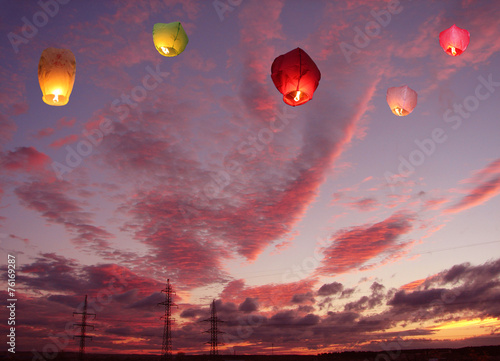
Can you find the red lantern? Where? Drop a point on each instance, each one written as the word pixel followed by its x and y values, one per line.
pixel 454 40
pixel 295 76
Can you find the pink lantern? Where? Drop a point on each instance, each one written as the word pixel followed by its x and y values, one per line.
pixel 454 40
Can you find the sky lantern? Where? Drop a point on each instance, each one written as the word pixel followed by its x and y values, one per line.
pixel 170 39
pixel 296 76
pixel 402 100
pixel 454 40
pixel 56 75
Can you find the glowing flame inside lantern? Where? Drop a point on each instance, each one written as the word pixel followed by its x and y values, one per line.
pixel 56 94
pixel 297 96
pixel 164 49
pixel 453 50
pixel 398 111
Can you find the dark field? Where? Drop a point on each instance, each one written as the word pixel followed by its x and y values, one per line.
pixel 485 353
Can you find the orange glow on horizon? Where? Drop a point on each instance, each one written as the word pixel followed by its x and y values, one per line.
pixel 490 321
pixel 129 340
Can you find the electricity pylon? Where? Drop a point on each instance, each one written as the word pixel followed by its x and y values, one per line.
pixel 166 347
pixel 213 331
pixel 83 329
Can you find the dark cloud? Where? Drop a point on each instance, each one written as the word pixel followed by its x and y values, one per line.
pixel 330 289
pixel 193 312
pixel 121 331
pixel 368 302
pixel 249 305
pixel 303 297
pixel 150 302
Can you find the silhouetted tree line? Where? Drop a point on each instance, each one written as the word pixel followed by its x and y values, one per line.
pixel 484 353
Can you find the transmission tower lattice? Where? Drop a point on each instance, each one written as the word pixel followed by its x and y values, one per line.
pixel 213 331
pixel 83 329
pixel 166 347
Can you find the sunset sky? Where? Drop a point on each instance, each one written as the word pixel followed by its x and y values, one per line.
pixel 335 225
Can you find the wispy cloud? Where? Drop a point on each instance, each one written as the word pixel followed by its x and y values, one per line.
pixel 353 248
pixel 485 185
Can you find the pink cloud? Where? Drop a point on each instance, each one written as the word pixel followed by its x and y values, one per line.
pixel 365 204
pixel 26 159
pixel 52 202
pixel 45 132
pixel 7 128
pixel 353 248
pixel 413 285
pixel 61 123
pixel 270 295
pixel 486 186
pixel 64 140
pixel 435 203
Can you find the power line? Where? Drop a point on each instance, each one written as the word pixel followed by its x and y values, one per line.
pixel 458 247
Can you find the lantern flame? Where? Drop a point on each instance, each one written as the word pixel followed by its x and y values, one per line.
pixel 164 49
pixel 453 50
pixel 56 94
pixel 297 97
pixel 398 111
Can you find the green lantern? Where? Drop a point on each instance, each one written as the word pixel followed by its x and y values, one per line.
pixel 169 39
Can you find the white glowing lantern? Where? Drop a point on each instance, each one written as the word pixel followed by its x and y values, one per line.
pixel 402 100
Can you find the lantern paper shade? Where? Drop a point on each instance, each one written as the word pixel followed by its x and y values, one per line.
pixel 454 40
pixel 169 39
pixel 296 76
pixel 56 75
pixel 402 100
